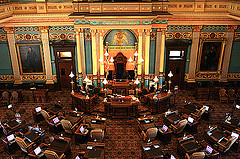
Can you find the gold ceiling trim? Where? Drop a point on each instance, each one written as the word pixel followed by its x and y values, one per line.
pixel 7 78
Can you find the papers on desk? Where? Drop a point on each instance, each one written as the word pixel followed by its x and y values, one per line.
pixel 89 147
pixel 156 146
pixel 103 118
pixel 146 148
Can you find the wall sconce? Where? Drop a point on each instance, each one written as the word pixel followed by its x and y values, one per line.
pixel 71 75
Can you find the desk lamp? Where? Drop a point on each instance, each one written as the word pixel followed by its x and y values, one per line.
pixel 169 82
pixel 137 82
pixel 71 75
pixel 155 80
pixel 105 89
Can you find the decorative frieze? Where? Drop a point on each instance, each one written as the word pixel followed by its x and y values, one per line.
pixel 213 35
pixel 179 35
pixel 33 77
pixel 6 78
pixel 62 36
pixel 208 75
pixel 28 37
pixel 234 76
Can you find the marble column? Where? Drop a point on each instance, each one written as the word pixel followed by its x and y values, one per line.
pixel 146 65
pixel 79 57
pixel 194 53
pixel 46 54
pixel 94 56
pixel 101 52
pixel 162 54
pixel 13 54
pixel 227 53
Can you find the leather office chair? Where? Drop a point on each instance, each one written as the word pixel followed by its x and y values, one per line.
pixel 223 95
pixel 232 96
pixel 24 146
pixel 131 92
pixel 224 147
pixel 97 134
pixel 14 97
pixel 46 116
pixel 199 113
pixel 5 98
pixel 53 155
pixel 109 92
pixel 151 133
pixel 195 155
pixel 179 127
pixel 68 127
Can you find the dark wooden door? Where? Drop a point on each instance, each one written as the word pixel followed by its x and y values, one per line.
pixel 64 52
pixel 65 69
pixel 176 62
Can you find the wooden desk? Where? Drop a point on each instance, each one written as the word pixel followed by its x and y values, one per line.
pixel 60 145
pixel 55 109
pixel 172 118
pixel 190 127
pixel 214 154
pixel 154 150
pixel 121 107
pixel 43 147
pixel 159 103
pixel 33 136
pixel 96 152
pixel 10 147
pixel 143 125
pixel 187 145
pixel 119 87
pixel 82 103
pixel 12 126
pixel 165 137
pixel 80 138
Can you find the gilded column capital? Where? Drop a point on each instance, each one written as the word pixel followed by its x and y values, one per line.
pixel 147 32
pixel 9 30
pixel 231 28
pixel 140 32
pixel 44 29
pixel 197 28
pixel 102 32
pixel 158 29
pixel 163 31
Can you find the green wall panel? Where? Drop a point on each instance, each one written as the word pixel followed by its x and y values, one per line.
pixel 53 61
pixel 234 65
pixel 188 59
pixel 152 55
pixel 88 56
pixel 5 64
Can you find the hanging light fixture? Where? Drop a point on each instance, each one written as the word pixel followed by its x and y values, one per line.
pixel 137 81
pixel 136 53
pixel 86 79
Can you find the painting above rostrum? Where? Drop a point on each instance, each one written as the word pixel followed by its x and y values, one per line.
pixel 121 40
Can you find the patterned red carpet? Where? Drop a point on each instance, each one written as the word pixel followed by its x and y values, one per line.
pixel 121 138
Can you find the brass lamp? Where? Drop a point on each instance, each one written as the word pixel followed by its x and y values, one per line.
pixel 71 75
pixel 169 82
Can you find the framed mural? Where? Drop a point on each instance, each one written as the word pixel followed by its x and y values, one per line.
pixel 210 55
pixel 30 58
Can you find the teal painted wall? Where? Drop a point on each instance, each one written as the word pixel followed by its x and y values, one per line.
pixel 5 64
pixel 188 59
pixel 234 65
pixel 88 54
pixel 53 61
pixel 152 56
